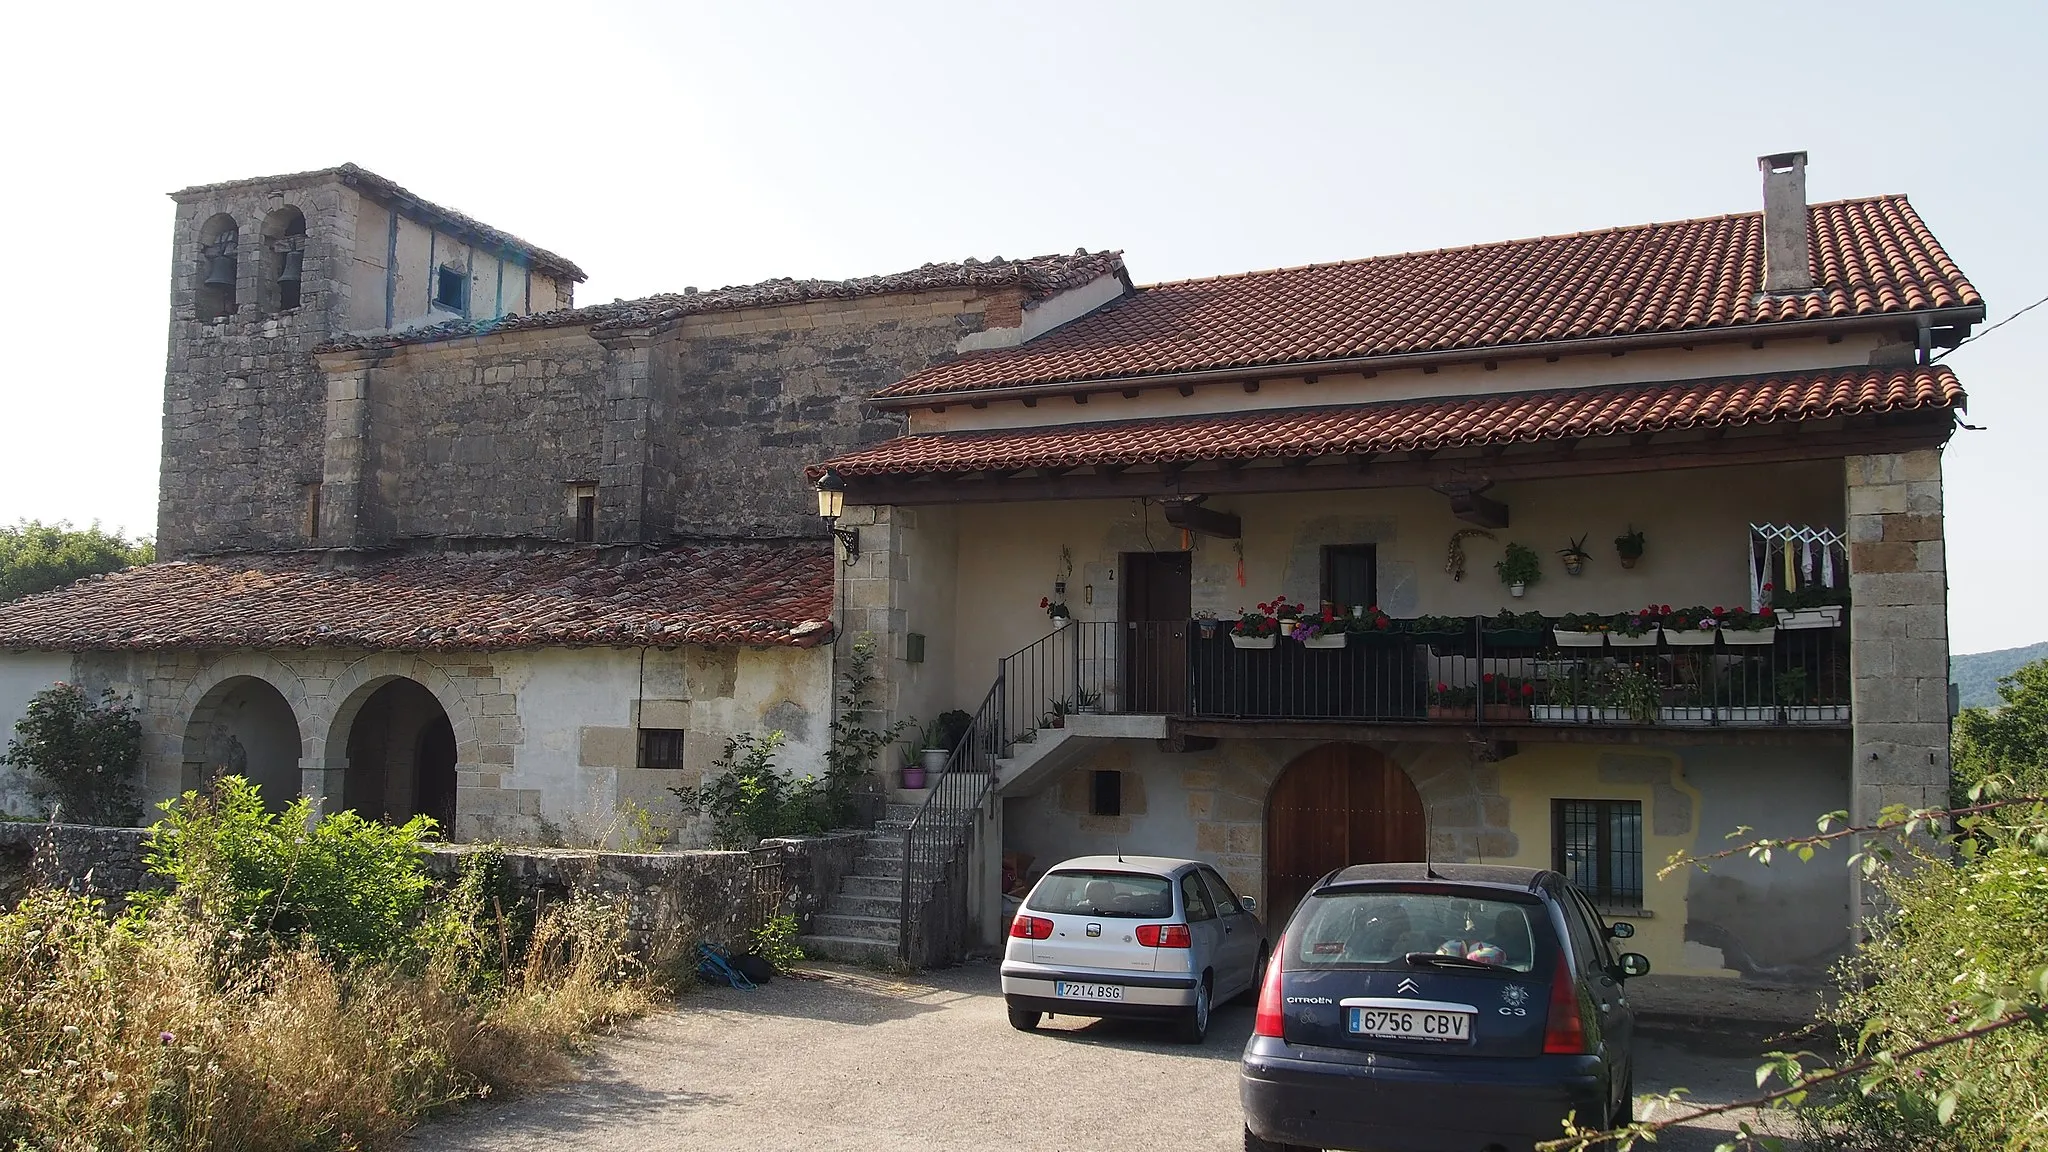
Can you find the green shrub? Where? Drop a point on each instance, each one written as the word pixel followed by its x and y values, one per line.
pixel 749 799
pixel 83 754
pixel 1958 932
pixel 352 886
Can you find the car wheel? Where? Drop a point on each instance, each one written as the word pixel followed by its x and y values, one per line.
pixel 1254 1144
pixel 1024 1019
pixel 1625 1112
pixel 1194 1026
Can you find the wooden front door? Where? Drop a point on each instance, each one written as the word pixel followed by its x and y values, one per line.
pixel 1156 607
pixel 1336 805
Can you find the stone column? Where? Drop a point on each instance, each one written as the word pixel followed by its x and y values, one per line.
pixel 871 596
pixel 628 415
pixel 1898 631
pixel 346 474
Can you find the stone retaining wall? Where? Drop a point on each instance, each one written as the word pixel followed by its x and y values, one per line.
pixel 720 896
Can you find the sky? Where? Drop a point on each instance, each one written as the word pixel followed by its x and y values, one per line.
pixel 673 144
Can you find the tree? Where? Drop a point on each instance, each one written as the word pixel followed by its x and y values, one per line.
pixel 2011 740
pixel 83 753
pixel 36 557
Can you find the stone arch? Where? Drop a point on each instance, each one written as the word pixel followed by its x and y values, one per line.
pixel 283 254
pixel 220 698
pixel 445 741
pixel 215 278
pixel 1333 805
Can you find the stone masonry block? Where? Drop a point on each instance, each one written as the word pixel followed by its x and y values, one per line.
pixel 1876 590
pixel 1931 555
pixel 1912 526
pixel 1924 497
pixel 1923 464
pixel 1865 529
pixel 1890 556
pixel 1870 658
pixel 1877 499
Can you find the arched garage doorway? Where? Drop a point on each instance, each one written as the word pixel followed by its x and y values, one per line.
pixel 400 749
pixel 244 727
pixel 1335 805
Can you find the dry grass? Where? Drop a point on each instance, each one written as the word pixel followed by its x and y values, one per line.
pixel 136 1034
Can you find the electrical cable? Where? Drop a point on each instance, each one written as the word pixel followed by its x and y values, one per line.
pixel 1995 327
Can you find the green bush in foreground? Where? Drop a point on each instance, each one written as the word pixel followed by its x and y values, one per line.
pixel 227 1013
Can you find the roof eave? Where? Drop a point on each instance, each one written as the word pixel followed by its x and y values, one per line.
pixel 1961 314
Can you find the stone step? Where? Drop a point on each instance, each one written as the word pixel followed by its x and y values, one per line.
pixel 858 927
pixel 887 907
pixel 881 848
pixel 849 950
pixel 865 886
pixel 878 869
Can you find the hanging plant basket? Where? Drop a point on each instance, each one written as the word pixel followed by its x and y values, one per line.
pixel 1799 619
pixel 1208 628
pixel 1624 640
pixel 1326 640
pixel 1237 641
pixel 1690 637
pixel 1570 639
pixel 1750 638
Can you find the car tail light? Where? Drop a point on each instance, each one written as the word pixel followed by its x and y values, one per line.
pixel 1565 1032
pixel 1164 936
pixel 1271 1020
pixel 1031 928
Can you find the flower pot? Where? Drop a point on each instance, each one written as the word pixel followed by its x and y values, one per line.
pixel 1690 637
pixel 1817 714
pixel 1569 639
pixel 1608 715
pixel 1517 590
pixel 1450 712
pixel 1798 619
pixel 1754 639
pixel 1507 713
pixel 1208 628
pixel 1624 640
pixel 1557 713
pixel 1326 640
pixel 1686 716
pixel 1748 714
pixel 1513 637
pixel 1574 567
pixel 1288 624
pixel 913 776
pixel 1237 641
pixel 933 760
pixel 1062 621
pixel 1629 561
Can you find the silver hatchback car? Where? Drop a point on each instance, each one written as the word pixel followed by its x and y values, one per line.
pixel 1131 936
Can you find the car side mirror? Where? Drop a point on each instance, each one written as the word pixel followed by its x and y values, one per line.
pixel 1634 964
pixel 1621 930
pixel 1250 904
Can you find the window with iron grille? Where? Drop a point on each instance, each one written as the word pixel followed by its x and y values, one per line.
pixel 1598 845
pixel 1350 576
pixel 661 747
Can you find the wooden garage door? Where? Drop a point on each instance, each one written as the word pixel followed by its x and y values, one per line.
pixel 1336 805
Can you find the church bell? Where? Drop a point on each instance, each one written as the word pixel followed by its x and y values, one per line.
pixel 220 272
pixel 293 261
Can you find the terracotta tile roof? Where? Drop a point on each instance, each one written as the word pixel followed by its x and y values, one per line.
pixel 1870 257
pixel 754 593
pixel 388 191
pixel 1037 276
pixel 1408 425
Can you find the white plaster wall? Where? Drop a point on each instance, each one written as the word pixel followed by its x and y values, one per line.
pixel 22 675
pixel 1695 522
pixel 421 250
pixel 1524 375
pixel 1047 315
pixel 931 603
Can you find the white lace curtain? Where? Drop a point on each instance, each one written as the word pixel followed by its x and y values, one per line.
pixel 1792 556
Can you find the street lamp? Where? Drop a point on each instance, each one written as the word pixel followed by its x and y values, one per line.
pixel 831 503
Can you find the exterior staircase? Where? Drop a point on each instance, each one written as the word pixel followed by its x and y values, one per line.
pixel 861 921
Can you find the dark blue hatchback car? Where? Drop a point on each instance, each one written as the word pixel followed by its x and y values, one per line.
pixel 1411 1008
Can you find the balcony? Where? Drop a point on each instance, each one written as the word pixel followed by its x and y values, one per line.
pixel 1447 674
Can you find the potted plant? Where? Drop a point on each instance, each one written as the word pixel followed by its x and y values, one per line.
pixel 1581 630
pixel 1451 703
pixel 1636 629
pixel 1519 568
pixel 1695 626
pixel 1629 546
pixel 1815 606
pixel 1324 630
pixel 1574 556
pixel 1056 610
pixel 1743 690
pixel 1255 629
pixel 1288 615
pixel 913 772
pixel 1740 626
pixel 1369 622
pixel 1507 699
pixel 1506 629
pixel 1627 694
pixel 1446 634
pixel 934 750
pixel 954 724
pixel 1800 704
pixel 1062 707
pixel 1565 698
pixel 1086 701
pixel 1205 622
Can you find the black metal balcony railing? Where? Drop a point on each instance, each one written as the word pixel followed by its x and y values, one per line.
pixel 1476 675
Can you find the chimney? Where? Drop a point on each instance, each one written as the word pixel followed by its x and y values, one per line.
pixel 1786 242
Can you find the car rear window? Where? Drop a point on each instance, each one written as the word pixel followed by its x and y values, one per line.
pixel 1370 928
pixel 1126 895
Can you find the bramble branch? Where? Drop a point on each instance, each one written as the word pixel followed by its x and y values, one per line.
pixel 1794 844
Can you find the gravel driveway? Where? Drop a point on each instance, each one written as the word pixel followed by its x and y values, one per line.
pixel 857 1060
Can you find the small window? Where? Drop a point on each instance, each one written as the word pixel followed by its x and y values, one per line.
pixel 1350 576
pixel 1106 796
pixel 1598 845
pixel 661 747
pixel 583 497
pixel 313 510
pixel 451 289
